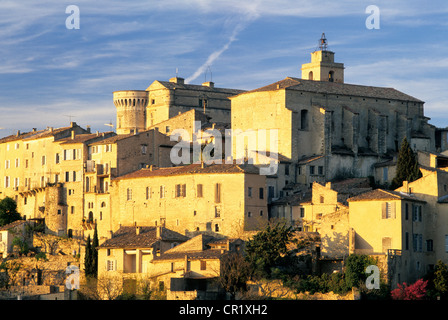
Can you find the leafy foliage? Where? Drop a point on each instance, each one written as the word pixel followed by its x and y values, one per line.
pixel 234 273
pixel 269 249
pixel 407 166
pixel 8 211
pixel 415 291
pixel 355 272
pixel 441 279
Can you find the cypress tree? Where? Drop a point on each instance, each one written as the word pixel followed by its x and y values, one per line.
pixel 407 166
pixel 88 258
pixel 94 253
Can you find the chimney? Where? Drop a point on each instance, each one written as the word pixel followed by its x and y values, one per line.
pixel 158 232
pixel 209 84
pixel 111 234
pixel 406 186
pixel 137 230
pixel 177 80
pixel 18 133
pixel 328 185
pixel 73 134
pixel 88 128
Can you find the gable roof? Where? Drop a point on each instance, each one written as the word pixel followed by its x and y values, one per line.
pixel 12 225
pixel 127 237
pixel 380 194
pixel 326 87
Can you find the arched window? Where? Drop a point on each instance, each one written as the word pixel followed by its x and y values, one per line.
pixel 90 216
pixel 331 76
pixel 310 75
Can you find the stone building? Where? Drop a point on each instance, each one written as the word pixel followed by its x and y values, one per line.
pixel 226 199
pixel 138 110
pixel 345 128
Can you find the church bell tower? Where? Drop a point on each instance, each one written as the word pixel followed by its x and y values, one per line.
pixel 322 66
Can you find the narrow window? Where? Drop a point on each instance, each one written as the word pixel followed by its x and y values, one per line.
pixel 261 193
pixel 218 193
pixel 304 119
pixel 199 190
pixel 129 194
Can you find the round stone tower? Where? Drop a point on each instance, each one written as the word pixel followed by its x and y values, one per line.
pixel 131 110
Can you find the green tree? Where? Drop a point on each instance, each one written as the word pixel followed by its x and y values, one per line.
pixel 8 211
pixel 355 269
pixel 441 279
pixel 94 253
pixel 407 166
pixel 88 262
pixel 269 249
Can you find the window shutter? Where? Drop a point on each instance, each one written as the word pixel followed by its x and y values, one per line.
pixel 393 205
pixel 384 210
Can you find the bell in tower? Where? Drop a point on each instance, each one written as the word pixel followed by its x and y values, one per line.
pixel 322 66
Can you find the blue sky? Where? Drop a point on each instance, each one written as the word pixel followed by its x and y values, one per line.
pixel 49 72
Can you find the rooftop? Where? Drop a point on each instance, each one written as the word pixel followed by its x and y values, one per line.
pixel 128 237
pixel 380 194
pixel 195 168
pixel 326 87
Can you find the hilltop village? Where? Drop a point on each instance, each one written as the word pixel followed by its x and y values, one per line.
pixel 331 154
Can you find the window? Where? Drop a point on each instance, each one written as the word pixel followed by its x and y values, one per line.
pixel 217 212
pixel 388 210
pixel 216 227
pixel 44 160
pixel 180 190
pixel 417 242
pixel 110 265
pixel 7 164
pixel 6 182
pixel 162 192
pixel 429 245
pixel 287 170
pixel 320 170
pixel 74 175
pixel 144 148
pixel 310 75
pixel 311 169
pixel 129 194
pixel 261 213
pixel 218 193
pixel 406 211
pixel 72 209
pixel 261 191
pixel 203 265
pixel 446 243
pixel 17 162
pixel 304 119
pixel 249 214
pixel 199 190
pixel 406 240
pixel 148 193
pixel 331 76
pixel 57 160
pixel 302 212
pixel 416 213
pixel 321 199
pixel 67 176
pixel 249 192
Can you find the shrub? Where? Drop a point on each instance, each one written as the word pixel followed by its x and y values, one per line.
pixel 415 291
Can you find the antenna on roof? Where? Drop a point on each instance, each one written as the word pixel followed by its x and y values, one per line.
pixel 109 125
pixel 69 116
pixel 177 72
pixel 205 74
